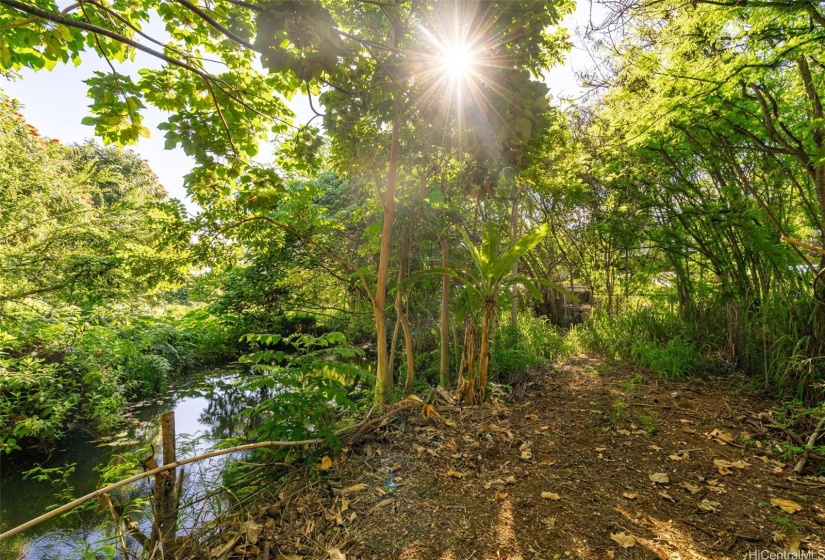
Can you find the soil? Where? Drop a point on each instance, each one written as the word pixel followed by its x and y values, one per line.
pixel 592 461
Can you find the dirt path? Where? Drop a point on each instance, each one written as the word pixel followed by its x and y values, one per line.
pixel 566 472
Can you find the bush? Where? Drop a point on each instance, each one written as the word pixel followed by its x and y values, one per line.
pixel 69 366
pixel 654 339
pixel 310 385
pixel 533 344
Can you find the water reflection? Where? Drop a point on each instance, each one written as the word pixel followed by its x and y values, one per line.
pixel 206 410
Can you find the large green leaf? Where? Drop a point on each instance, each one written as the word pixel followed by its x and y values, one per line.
pixel 511 255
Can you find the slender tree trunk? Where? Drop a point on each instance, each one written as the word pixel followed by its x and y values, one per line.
pixel 408 345
pixel 402 313
pixel 483 361
pixel 383 377
pixel 444 377
pixel 394 344
pixel 514 236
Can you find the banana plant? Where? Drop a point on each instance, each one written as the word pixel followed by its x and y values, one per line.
pixel 488 276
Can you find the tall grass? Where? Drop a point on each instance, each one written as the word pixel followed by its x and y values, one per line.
pixel 654 339
pixel 533 343
pixel 781 347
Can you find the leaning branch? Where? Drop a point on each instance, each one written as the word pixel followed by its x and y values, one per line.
pixel 804 245
pixel 357 429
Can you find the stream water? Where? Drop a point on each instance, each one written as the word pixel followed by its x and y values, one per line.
pixel 205 408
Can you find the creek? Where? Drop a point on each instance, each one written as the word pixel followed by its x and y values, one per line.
pixel 205 408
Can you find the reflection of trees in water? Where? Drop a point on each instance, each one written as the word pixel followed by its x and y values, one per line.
pixel 226 402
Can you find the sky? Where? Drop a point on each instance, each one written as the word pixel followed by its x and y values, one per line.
pixel 55 102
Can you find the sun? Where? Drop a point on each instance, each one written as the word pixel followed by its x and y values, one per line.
pixel 457 62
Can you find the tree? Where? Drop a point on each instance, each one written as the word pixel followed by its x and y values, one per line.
pixel 484 282
pixel 82 224
pixel 369 59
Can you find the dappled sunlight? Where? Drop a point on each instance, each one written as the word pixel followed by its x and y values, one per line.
pixel 411 553
pixel 505 533
pixel 670 542
pixel 448 555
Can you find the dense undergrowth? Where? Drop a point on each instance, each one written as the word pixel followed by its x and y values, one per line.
pixel 69 366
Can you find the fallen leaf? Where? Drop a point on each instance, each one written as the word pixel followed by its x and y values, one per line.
pixel 454 474
pixel 510 479
pixel 655 447
pixel 549 522
pixel 344 504
pixel 291 557
pixel 326 463
pixel 623 432
pixel 488 485
pixel 224 548
pixel 720 437
pixel 630 495
pixel 383 503
pixel 726 466
pixel 623 539
pixel 667 497
pixel 788 506
pixel 501 496
pixel 550 496
pixel 692 488
pixel 683 456
pixel 792 543
pixel 600 449
pixel 251 530
pixel 336 554
pixel 349 490
pixel 709 506
pixel 526 455
pixel 659 478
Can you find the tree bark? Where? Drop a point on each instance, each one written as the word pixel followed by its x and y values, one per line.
pixel 514 236
pixel 483 361
pixel 383 377
pixel 444 376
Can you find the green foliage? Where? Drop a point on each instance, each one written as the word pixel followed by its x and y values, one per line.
pixel 309 384
pixel 73 366
pixel 658 341
pixel 36 400
pixel 534 344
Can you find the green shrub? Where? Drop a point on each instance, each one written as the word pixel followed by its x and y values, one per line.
pixel 310 384
pixel 533 344
pixel 655 339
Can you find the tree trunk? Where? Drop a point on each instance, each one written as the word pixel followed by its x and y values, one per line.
pixel 408 345
pixel 394 344
pixel 483 361
pixel 383 375
pixel 444 377
pixel 400 310
pixel 514 236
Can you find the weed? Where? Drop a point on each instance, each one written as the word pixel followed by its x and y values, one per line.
pixel 785 524
pixel 632 384
pixel 650 423
pixel 617 413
